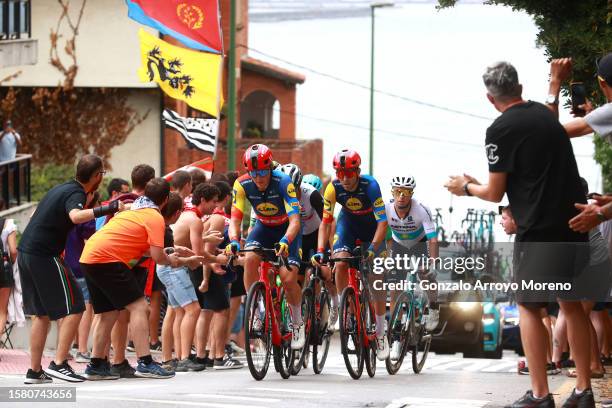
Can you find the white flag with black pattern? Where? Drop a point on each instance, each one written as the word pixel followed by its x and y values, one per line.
pixel 199 133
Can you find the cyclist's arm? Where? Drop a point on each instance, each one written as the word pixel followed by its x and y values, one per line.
pixel 237 213
pixel 380 214
pixel 316 201
pixel 292 208
pixel 329 201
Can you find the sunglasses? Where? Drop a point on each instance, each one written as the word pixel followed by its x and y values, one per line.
pixel 259 173
pixel 341 174
pixel 398 192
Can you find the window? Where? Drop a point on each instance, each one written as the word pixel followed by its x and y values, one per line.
pixel 15 18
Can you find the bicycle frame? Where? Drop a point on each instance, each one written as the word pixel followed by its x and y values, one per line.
pixel 353 282
pixel 272 303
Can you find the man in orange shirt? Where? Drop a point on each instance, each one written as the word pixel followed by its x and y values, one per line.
pixel 106 262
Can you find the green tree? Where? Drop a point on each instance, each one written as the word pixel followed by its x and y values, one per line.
pixel 580 29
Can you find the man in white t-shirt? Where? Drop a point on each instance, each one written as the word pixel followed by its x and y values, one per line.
pixel 9 140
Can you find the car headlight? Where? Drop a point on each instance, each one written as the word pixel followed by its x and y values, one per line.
pixel 466 306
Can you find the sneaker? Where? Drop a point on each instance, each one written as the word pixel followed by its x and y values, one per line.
pixel 102 372
pixel 606 403
pixel 432 319
pixel 584 400
pixel 606 360
pixel 528 401
pixel 82 357
pixel 333 316
pixel 170 365
pixel 63 372
pixel 523 370
pixel 188 365
pixel 382 348
pixel 299 336
pixel 227 363
pixel 552 369
pixel 37 377
pixel 130 346
pixel 123 370
pixel 567 363
pixel 229 350
pixel 157 346
pixel 237 349
pixel 152 370
pixel 207 362
pixel 396 349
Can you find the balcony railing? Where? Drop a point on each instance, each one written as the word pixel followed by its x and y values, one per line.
pixel 15 19
pixel 15 180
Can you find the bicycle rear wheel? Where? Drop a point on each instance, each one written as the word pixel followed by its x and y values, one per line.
pixel 351 341
pixel 422 339
pixel 282 353
pixel 397 332
pixel 299 356
pixel 258 337
pixel 321 342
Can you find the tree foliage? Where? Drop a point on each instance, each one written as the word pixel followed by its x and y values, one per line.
pixel 580 29
pixel 60 123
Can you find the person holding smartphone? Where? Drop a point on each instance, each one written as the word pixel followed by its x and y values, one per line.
pixel 595 120
pixel 9 140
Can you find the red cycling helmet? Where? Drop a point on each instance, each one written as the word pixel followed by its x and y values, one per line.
pixel 257 157
pixel 347 159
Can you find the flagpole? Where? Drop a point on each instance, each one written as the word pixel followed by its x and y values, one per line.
pixel 231 111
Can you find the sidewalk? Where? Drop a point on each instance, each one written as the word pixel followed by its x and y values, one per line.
pixel 17 362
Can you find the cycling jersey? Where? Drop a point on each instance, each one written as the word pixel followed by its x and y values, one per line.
pixel 273 206
pixel 361 212
pixel 363 204
pixel 415 227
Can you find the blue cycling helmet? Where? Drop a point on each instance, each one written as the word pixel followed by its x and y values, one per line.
pixel 313 180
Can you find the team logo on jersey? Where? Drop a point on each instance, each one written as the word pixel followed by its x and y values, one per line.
pixel 491 156
pixel 291 191
pixel 335 239
pixel 354 204
pixel 379 202
pixel 267 209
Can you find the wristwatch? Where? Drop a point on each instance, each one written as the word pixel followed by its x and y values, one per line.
pixel 601 216
pixel 466 190
pixel 552 99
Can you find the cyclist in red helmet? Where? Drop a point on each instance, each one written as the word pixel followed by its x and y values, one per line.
pixel 362 218
pixel 272 195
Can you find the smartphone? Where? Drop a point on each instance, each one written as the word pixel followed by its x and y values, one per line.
pixel 578 92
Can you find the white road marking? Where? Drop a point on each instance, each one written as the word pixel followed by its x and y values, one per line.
pixel 503 366
pixel 234 397
pixel 414 402
pixel 294 390
pixel 445 366
pixel 171 402
pixel 117 387
pixel 477 365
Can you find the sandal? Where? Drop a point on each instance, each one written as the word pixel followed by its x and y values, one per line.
pixel 594 374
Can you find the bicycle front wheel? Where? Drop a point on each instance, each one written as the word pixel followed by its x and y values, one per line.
pixel 282 352
pixel 299 356
pixel 369 325
pixel 321 343
pixel 398 335
pixel 351 341
pixel 422 340
pixel 258 337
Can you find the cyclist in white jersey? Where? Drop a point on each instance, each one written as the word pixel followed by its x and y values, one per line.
pixel 411 232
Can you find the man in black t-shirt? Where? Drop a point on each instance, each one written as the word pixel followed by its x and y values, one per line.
pixel 50 291
pixel 531 159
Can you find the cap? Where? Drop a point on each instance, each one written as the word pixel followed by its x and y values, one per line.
pixel 604 68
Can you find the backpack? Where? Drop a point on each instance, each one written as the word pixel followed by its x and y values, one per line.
pixel 6 266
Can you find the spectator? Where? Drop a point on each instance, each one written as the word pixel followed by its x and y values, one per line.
pixel 48 284
pixel 507 220
pixel 9 140
pixel 181 183
pixel 531 158
pixel 116 187
pixel 8 236
pixel 74 247
pixel 112 284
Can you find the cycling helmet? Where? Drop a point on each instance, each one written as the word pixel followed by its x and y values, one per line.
pixel 276 165
pixel 403 181
pixel 294 172
pixel 313 180
pixel 257 157
pixel 347 159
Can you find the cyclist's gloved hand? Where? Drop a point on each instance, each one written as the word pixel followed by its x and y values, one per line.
pixel 317 259
pixel 232 247
pixel 381 252
pixel 283 247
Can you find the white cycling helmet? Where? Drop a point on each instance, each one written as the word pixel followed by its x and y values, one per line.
pixel 403 181
pixel 294 172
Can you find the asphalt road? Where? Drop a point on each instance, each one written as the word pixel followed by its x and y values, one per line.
pixel 446 381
